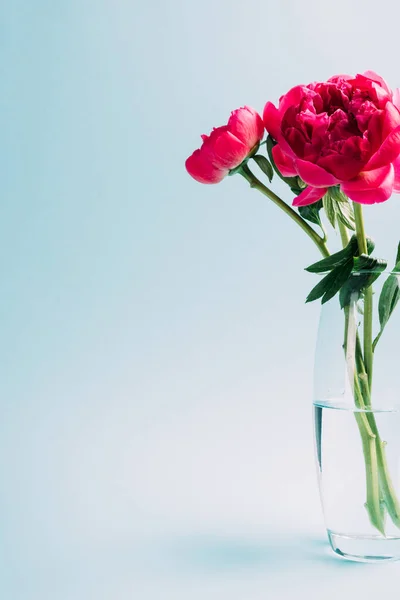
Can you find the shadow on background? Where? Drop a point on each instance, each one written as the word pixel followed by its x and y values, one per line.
pixel 213 553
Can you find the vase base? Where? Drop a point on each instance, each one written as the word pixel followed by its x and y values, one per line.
pixel 369 549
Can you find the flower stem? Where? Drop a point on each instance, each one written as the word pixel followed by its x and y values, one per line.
pixel 365 421
pixel 258 185
pixel 379 483
pixel 344 234
pixel 368 300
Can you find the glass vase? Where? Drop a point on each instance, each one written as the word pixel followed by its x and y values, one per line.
pixel 357 423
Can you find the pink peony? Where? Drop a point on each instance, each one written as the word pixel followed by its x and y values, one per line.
pixel 226 147
pixel 343 132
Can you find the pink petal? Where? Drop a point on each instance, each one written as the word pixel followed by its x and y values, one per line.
pixel 224 149
pixel 228 151
pixel 375 132
pixel 202 170
pixel 372 195
pixel 341 166
pixel 246 124
pixel 375 77
pixel 286 148
pixel 272 120
pixel 294 97
pixel 396 98
pixel 296 140
pixel 375 90
pixel 391 119
pixel 284 162
pixel 314 175
pixel 367 180
pixel 309 196
pixel 387 153
pixel 338 78
pixel 396 166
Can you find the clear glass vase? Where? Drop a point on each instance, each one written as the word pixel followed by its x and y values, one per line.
pixel 357 424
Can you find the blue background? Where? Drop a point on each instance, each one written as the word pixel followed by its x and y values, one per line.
pixel 156 355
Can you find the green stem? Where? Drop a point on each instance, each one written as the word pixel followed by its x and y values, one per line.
pixel 258 185
pixel 344 234
pixel 325 236
pixel 368 301
pixel 345 237
pixel 389 493
pixel 369 443
pixel 360 228
pixel 367 431
pixel 378 479
pixel 368 350
pixel 373 453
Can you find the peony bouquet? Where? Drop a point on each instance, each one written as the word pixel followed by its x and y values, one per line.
pixel 336 144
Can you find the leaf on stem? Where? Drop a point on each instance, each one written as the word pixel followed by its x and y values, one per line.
pixel 349 273
pixel 390 295
pixel 366 271
pixel 338 208
pixel 345 214
pixel 329 208
pixel 264 165
pixel 331 283
pixel 337 194
pixel 334 260
pixel 311 212
pixel 326 264
pixel 370 245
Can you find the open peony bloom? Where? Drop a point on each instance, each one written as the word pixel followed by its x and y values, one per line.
pixel 343 132
pixel 226 147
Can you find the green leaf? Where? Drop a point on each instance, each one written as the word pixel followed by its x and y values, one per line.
pixel 390 295
pixel 365 262
pixel 342 274
pixel 397 258
pixel 366 271
pixel 338 206
pixel 345 214
pixel 296 190
pixel 311 212
pixel 327 264
pixel 264 165
pixel 370 245
pixel 291 181
pixel 349 273
pixel 331 283
pixel 329 207
pixel 388 299
pixel 337 194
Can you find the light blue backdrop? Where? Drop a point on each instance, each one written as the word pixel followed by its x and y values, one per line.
pixel 154 358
